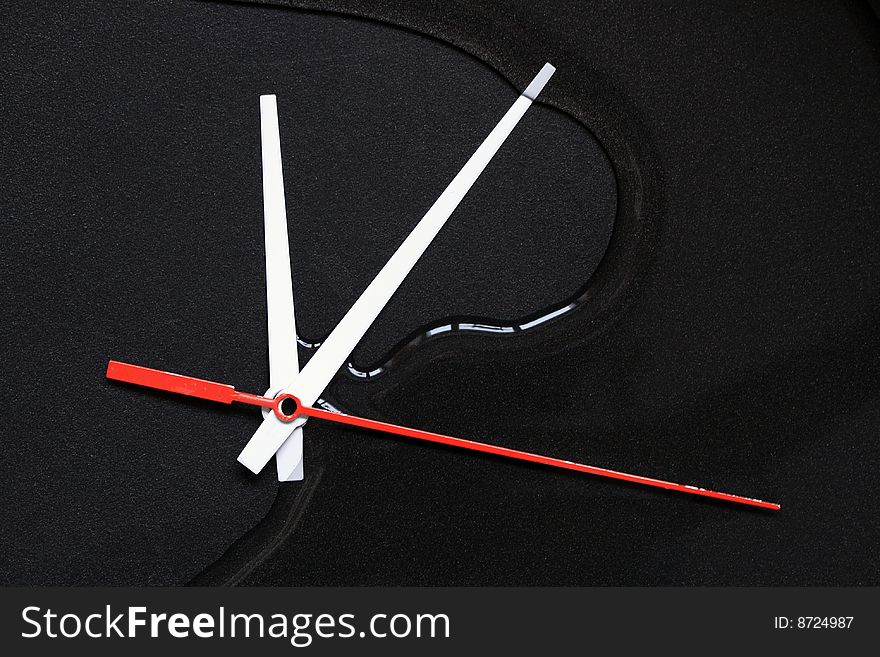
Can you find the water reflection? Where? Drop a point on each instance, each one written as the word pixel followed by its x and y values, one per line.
pixel 453 327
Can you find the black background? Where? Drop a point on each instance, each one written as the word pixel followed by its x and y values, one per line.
pixel 703 179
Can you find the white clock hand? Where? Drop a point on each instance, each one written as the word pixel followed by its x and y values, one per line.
pixel 341 342
pixel 283 357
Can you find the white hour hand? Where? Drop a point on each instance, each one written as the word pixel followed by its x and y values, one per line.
pixel 341 342
pixel 283 357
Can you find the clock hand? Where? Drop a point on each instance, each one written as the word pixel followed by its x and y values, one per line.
pixel 283 357
pixel 516 454
pixel 322 367
pixel 183 385
pixel 287 408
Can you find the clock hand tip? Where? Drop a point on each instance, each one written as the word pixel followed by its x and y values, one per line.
pixel 250 463
pixel 751 501
pixel 537 84
pixel 113 368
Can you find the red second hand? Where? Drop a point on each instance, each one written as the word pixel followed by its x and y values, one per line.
pixel 227 394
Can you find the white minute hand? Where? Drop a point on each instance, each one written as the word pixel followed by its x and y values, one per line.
pixel 321 369
pixel 283 360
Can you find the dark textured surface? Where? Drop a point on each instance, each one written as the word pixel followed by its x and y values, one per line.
pixel 133 190
pixel 728 337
